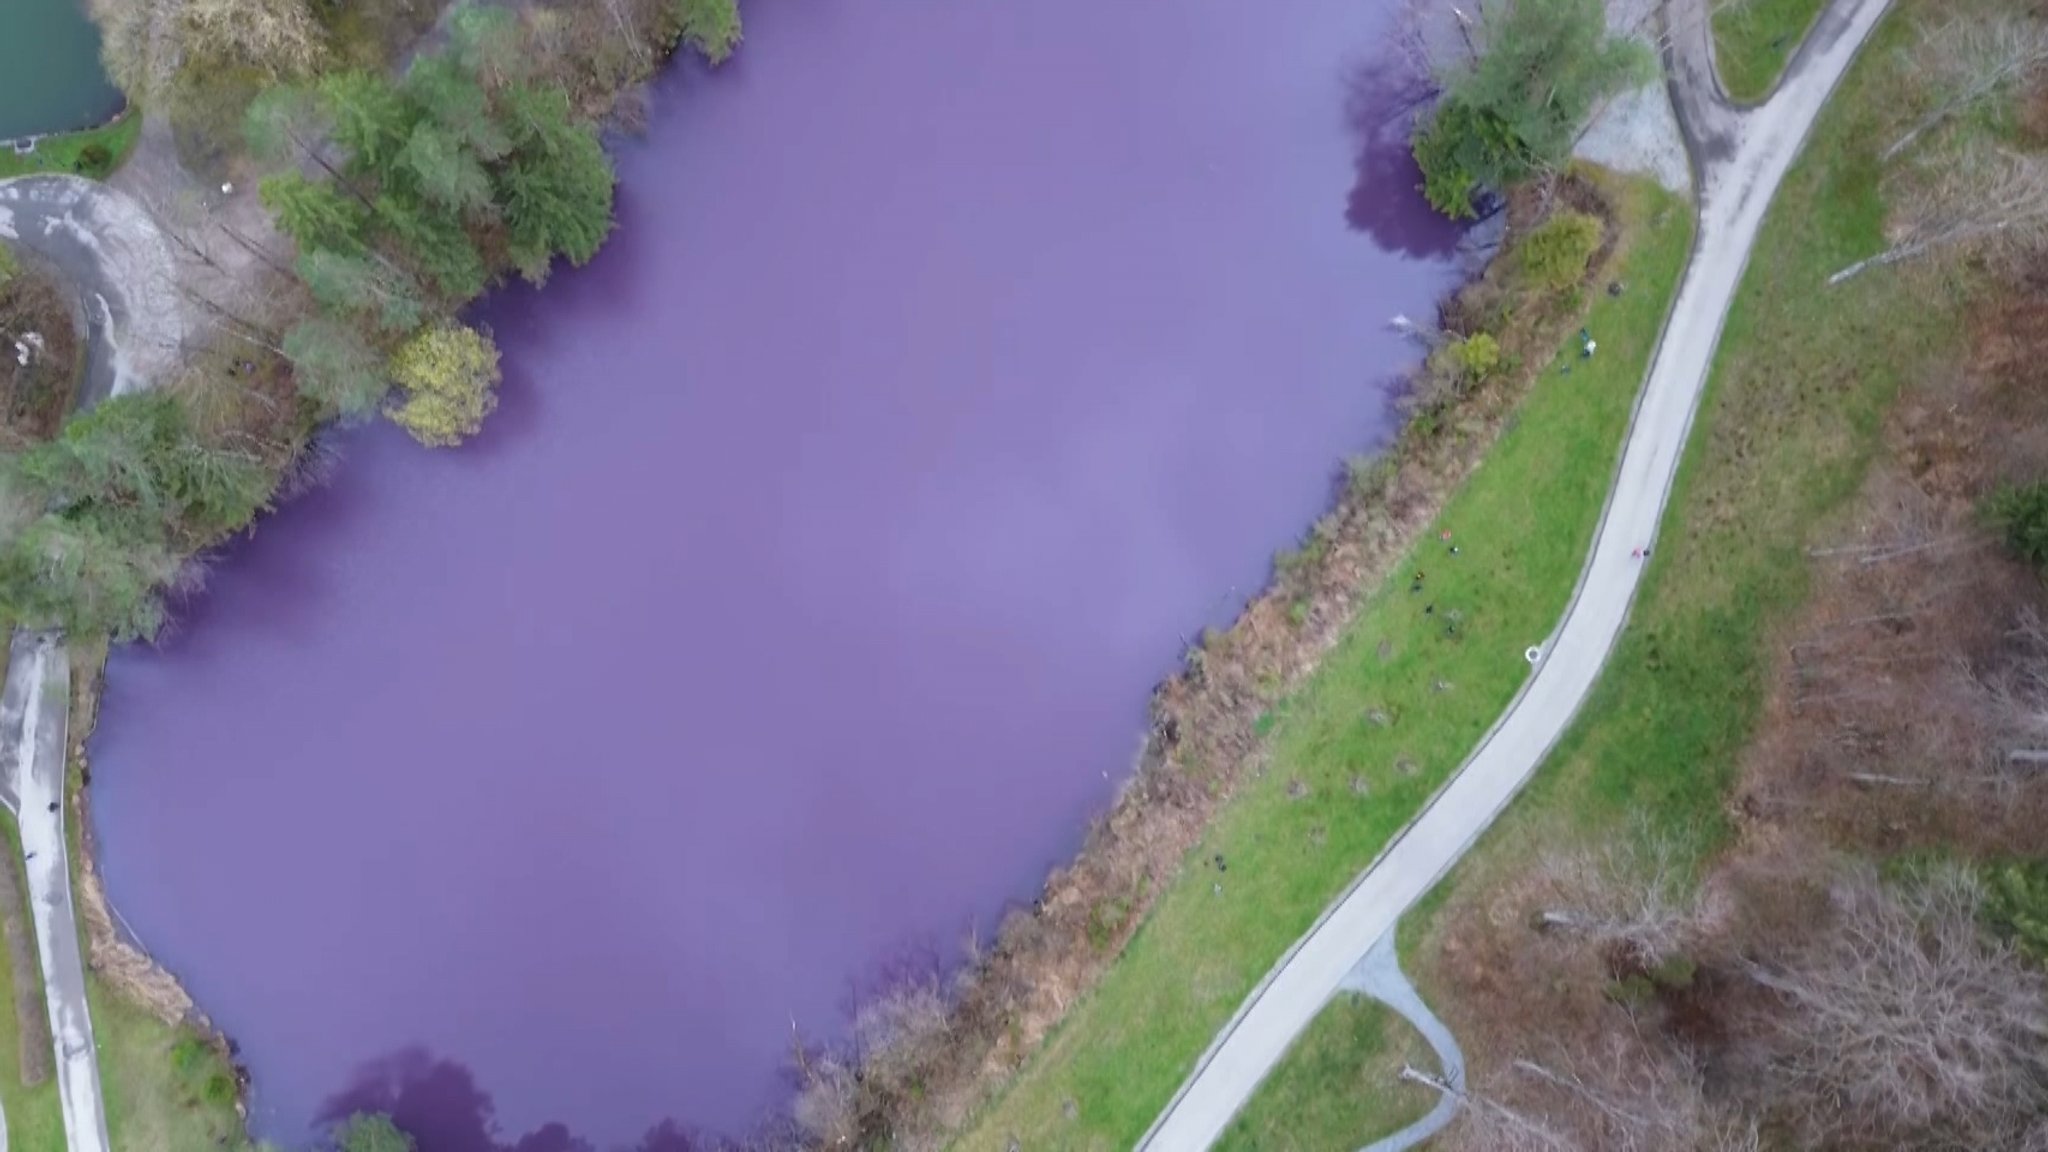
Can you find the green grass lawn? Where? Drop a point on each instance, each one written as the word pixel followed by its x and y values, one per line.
pixel 1792 419
pixel 63 153
pixel 1754 40
pixel 1354 754
pixel 1340 1086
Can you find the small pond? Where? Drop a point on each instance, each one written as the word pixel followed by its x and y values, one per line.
pixel 50 74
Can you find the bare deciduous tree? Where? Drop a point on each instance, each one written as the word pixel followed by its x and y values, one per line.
pixel 1630 893
pixel 1633 1094
pixel 1904 1019
pixel 280 37
pixel 1969 60
pixel 1981 198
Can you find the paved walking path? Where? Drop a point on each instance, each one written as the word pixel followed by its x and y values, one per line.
pixel 1740 158
pixel 1378 975
pixel 35 712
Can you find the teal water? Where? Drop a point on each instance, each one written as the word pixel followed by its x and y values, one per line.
pixel 50 74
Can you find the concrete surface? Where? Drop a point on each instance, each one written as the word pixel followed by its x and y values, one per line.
pixel 1378 975
pixel 35 712
pixel 1740 157
pixel 118 260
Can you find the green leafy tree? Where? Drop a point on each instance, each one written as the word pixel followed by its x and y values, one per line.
pixel 337 367
pixel 1516 106
pixel 711 28
pixel 371 1132
pixel 313 213
pixel 2020 512
pixel 556 188
pixel 450 377
pixel 365 285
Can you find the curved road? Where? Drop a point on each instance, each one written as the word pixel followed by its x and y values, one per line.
pixel 1740 157
pixel 110 250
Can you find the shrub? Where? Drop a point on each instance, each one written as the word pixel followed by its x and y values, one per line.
pixel 2016 907
pixel 95 161
pixel 1556 255
pixel 2020 512
pixel 1476 356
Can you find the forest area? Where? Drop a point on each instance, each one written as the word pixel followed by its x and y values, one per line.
pixel 1785 886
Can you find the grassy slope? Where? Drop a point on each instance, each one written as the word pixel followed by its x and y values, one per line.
pixel 1754 40
pixel 60 153
pixel 1345 1089
pixel 1791 421
pixel 1523 523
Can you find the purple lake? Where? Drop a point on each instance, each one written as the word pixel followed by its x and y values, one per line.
pixel 800 604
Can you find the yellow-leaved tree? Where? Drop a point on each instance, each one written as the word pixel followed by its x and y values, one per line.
pixel 450 376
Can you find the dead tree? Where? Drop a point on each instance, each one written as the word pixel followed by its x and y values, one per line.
pixel 1967 61
pixel 1629 893
pixel 1984 199
pixel 1630 1094
pixel 1902 1020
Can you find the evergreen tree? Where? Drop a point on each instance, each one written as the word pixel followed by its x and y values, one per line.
pixel 313 213
pixel 366 285
pixel 445 171
pixel 711 28
pixel 449 94
pixel 371 119
pixel 336 367
pixel 370 1132
pixel 556 188
pixel 436 243
pixel 1517 105
pixel 81 575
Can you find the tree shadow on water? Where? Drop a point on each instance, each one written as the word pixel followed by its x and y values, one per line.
pixel 1383 95
pixel 438 1103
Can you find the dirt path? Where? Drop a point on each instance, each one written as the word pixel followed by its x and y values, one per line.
pixel 1740 158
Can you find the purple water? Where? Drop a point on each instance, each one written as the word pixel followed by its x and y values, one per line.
pixel 800 604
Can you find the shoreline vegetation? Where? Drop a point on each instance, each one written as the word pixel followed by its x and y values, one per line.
pixel 93 153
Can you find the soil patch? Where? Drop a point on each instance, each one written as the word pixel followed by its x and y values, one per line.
pixel 42 331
